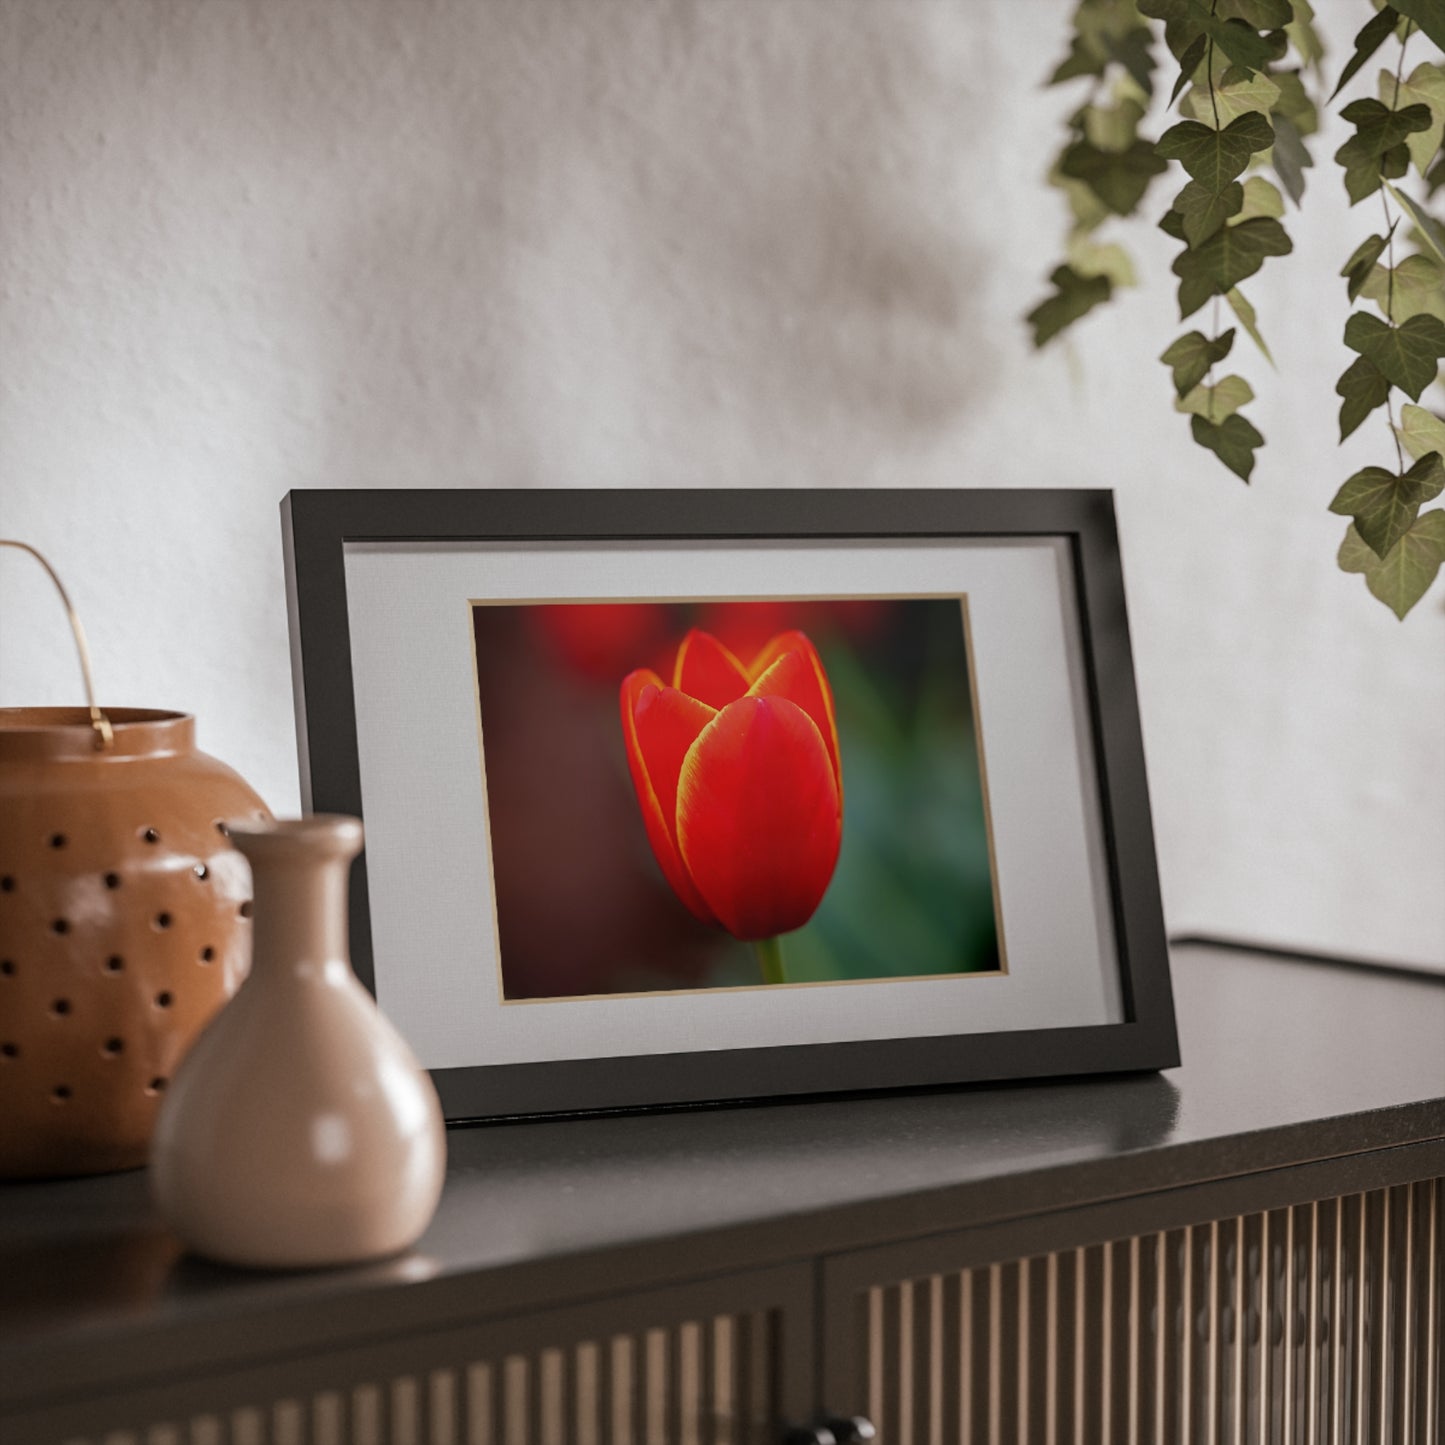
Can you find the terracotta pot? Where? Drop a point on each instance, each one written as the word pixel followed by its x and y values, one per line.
pixel 300 1130
pixel 123 927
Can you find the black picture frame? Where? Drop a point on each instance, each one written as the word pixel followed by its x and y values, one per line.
pixel 318 525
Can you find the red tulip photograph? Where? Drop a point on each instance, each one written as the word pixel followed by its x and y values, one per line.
pixel 713 794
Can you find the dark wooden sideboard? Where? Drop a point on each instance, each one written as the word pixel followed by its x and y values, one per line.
pixel 1247 1248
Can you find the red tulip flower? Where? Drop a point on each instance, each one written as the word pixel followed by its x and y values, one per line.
pixel 736 771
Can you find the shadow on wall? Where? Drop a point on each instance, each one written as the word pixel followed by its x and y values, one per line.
pixel 641 243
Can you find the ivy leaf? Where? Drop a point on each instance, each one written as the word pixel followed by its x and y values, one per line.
pixel 1226 258
pixel 1378 128
pixel 1172 224
pixel 1260 199
pixel 1242 309
pixel 1303 35
pixel 1262 14
pixel 1420 431
pixel 1364 179
pixel 1290 157
pixel 1088 211
pixel 1102 32
pixel 1114 127
pixel 1105 20
pixel 1203 212
pixel 1362 261
pixel 1233 441
pixel 1429 15
pixel 1216 157
pixel 1363 387
pixel 1075 296
pixel 1384 506
pixel 1190 357
pixel 1374 34
pixel 1183 27
pixel 1215 403
pixel 1134 51
pixel 1082 59
pixel 1418 290
pixel 1427 225
pixel 1244 92
pixel 1377 147
pixel 1239 40
pixel 1186 20
pixel 1295 103
pixel 1364 172
pixel 1407 355
pixel 1189 62
pixel 1403 576
pixel 1089 258
pixel 1118 178
pixel 1426 86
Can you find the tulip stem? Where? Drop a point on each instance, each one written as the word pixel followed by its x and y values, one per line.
pixel 770 959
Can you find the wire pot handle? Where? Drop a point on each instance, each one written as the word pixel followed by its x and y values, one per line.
pixel 104 735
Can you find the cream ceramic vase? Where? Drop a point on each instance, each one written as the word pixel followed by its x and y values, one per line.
pixel 299 1130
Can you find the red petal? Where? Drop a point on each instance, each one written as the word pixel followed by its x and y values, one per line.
pixel 668 722
pixel 758 815
pixel 706 670
pixel 659 724
pixel 789 666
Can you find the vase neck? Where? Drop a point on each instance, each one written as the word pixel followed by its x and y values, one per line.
pixel 299 912
pixel 300 872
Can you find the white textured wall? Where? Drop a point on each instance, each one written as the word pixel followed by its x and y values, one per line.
pixel 248 245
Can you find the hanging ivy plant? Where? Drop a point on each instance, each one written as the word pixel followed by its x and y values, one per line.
pixel 1244 73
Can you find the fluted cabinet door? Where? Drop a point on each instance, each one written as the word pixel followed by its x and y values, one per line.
pixel 1317 1323
pixel 722 1361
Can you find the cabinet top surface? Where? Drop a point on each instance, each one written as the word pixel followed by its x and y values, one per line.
pixel 1285 1062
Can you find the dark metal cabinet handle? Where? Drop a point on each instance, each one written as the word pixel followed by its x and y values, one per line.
pixel 851 1430
pixel 835 1430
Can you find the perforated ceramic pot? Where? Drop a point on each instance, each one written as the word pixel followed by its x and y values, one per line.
pixel 124 920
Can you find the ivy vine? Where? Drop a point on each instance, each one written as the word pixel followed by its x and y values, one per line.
pixel 1106 166
pixel 1245 69
pixel 1395 545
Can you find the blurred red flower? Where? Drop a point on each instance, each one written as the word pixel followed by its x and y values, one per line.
pixel 737 774
pixel 598 639
pixel 745 628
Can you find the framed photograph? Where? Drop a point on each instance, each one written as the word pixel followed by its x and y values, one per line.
pixel 684 796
